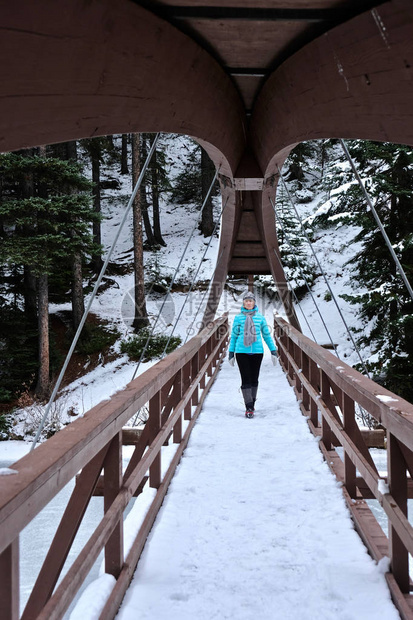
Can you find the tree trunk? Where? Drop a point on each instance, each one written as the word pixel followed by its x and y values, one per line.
pixel 30 295
pixel 150 239
pixel 141 315
pixel 71 150
pixel 124 155
pixel 29 280
pixel 96 261
pixel 42 388
pixel 155 200
pixel 206 225
pixel 78 300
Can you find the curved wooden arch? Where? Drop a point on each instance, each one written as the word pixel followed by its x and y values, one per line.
pixel 79 69
pixel 356 81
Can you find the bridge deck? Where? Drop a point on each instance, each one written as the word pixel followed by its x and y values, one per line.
pixel 254 525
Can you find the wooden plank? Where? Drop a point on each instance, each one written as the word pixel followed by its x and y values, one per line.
pixel 177 429
pixel 254 266
pixel 367 494
pixel 112 484
pixel 250 250
pixel 186 381
pixel 350 426
pixel 374 437
pixel 98 491
pixel 248 228
pixel 131 436
pixel 325 427
pixel 305 365
pixel 155 423
pixel 245 43
pixel 399 556
pixel 9 582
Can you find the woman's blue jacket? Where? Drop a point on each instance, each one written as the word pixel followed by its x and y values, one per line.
pixel 236 344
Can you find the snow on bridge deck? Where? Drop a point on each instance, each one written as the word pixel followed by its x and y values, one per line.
pixel 254 525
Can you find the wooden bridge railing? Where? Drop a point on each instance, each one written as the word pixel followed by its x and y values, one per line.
pixel 327 390
pixel 175 388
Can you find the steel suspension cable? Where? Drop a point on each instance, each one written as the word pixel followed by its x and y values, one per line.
pixel 175 274
pixel 95 289
pixel 323 273
pixel 297 303
pixel 398 264
pixel 189 330
pixel 304 277
pixel 195 277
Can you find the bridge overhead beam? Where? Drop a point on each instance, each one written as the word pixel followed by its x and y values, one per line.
pixel 248 243
pixel 356 81
pixel 80 69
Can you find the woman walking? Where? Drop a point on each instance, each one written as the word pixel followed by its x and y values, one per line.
pixel 246 347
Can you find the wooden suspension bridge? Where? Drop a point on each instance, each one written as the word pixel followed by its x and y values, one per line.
pixel 248 80
pixel 175 388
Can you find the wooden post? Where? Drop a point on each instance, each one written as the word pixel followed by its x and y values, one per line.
pixel 397 480
pixel 177 434
pixel 9 582
pixel 201 362
pixel 113 481
pixel 194 372
pixel 155 425
pixel 290 366
pixel 186 382
pixel 325 395
pixel 297 359
pixel 305 365
pixel 349 426
pixel 314 374
pixel 209 347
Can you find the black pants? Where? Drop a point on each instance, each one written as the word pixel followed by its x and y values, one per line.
pixel 249 365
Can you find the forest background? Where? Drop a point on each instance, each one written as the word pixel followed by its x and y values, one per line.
pixel 56 203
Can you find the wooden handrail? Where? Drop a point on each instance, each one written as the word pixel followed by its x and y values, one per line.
pixel 396 416
pixel 46 470
pixel 327 390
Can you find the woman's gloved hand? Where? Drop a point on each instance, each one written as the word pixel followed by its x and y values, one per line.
pixel 274 357
pixel 231 358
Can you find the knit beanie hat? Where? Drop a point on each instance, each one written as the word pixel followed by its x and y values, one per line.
pixel 248 295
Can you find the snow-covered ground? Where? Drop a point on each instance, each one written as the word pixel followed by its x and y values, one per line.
pixel 254 524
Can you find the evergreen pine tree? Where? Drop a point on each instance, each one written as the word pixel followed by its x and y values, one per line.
pixel 298 266
pixel 44 228
pixel 158 183
pixel 386 307
pixel 97 149
pixel 192 184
